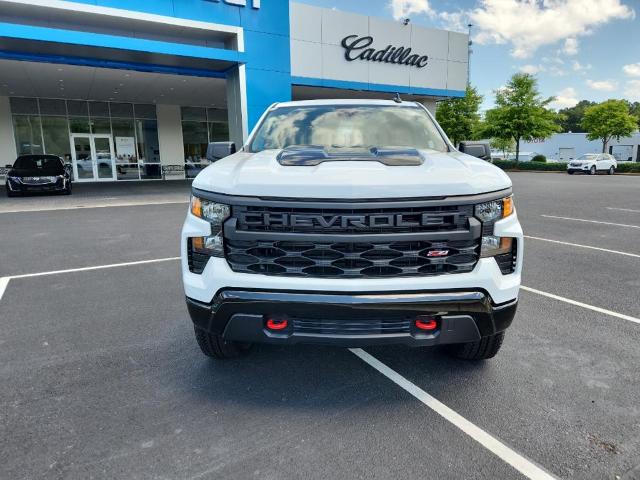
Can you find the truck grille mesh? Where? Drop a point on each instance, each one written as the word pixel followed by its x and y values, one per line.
pixel 351 260
pixel 327 241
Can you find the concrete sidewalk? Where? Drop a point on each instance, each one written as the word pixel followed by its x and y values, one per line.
pixel 91 195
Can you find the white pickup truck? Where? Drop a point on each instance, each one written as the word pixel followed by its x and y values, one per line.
pixel 353 223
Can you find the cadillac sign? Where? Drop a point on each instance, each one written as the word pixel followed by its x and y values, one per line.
pixel 359 48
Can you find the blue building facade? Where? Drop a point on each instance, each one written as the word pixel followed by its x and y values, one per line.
pixel 209 69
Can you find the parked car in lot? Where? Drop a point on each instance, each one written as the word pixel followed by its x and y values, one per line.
pixel 38 173
pixel 593 163
pixel 353 223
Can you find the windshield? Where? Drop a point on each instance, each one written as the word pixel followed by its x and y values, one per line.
pixel 348 126
pixel 45 165
pixel 588 156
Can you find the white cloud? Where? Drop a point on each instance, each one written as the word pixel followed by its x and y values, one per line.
pixel 579 67
pixel 603 85
pixel 530 24
pixel 633 69
pixel 456 21
pixel 632 90
pixel 532 69
pixel 570 46
pixel 406 8
pixel 565 98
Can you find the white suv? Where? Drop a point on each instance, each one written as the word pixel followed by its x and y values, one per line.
pixel 592 163
pixel 353 223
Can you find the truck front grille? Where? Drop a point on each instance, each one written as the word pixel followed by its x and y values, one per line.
pixel 351 259
pixel 401 239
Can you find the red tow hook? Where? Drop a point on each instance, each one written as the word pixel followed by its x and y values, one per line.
pixel 426 324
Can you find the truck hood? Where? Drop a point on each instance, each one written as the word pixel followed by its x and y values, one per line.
pixel 441 174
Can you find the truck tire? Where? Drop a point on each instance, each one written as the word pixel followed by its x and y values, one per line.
pixel 214 346
pixel 483 349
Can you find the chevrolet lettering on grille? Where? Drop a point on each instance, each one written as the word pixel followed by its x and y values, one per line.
pixel 363 222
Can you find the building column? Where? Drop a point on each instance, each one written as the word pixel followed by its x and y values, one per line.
pixel 430 104
pixel 170 139
pixel 8 152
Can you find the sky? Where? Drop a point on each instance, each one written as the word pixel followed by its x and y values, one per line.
pixel 578 49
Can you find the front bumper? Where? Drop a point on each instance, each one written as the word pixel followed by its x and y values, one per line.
pixel 351 319
pixel 19 187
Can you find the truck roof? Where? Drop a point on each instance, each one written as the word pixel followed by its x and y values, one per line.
pixel 337 101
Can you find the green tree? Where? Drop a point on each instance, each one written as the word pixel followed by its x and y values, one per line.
pixel 505 145
pixel 571 118
pixel 634 109
pixel 607 120
pixel 520 113
pixel 459 117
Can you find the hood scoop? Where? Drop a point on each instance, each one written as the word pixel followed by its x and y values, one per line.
pixel 312 155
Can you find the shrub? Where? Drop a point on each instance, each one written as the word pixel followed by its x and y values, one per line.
pixel 538 166
pixel 628 167
pixel 539 158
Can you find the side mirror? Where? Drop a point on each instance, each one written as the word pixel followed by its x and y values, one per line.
pixel 479 150
pixel 218 150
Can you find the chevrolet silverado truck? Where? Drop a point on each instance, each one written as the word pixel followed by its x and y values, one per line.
pixel 351 223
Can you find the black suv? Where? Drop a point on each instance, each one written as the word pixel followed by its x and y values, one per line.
pixel 38 173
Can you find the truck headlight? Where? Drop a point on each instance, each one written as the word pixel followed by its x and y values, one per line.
pixel 212 212
pixel 494 210
pixel 215 214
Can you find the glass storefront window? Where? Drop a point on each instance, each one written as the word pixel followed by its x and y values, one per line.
pixel 199 127
pixel 100 125
pixel 196 139
pixel 28 134
pixel 79 125
pixel 218 132
pixel 124 136
pixel 55 133
pixel 149 149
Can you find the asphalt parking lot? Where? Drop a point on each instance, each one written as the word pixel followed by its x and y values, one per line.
pixel 100 376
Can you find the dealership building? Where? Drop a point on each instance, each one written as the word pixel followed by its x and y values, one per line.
pixel 134 90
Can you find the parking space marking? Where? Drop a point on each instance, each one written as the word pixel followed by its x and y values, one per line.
pixel 4 281
pixel 95 267
pixel 624 209
pixel 583 305
pixel 583 246
pixel 591 221
pixel 528 468
pixel 85 207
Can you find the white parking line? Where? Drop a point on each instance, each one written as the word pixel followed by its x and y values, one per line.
pixel 584 246
pixel 624 209
pixel 592 221
pixel 85 207
pixel 4 281
pixel 95 267
pixel 583 305
pixel 495 446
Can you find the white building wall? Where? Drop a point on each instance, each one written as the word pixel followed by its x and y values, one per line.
pixel 170 137
pixel 8 151
pixel 316 51
pixel 576 144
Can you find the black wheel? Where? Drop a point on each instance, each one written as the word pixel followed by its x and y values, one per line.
pixel 569 172
pixel 611 170
pixel 483 349
pixel 214 346
pixel 9 192
pixel 592 170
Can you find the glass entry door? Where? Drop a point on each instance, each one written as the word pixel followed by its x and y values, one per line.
pixel 92 156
